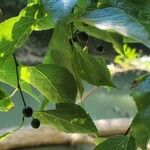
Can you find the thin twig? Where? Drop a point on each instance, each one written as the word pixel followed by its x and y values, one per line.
pixel 18 85
pixel 87 94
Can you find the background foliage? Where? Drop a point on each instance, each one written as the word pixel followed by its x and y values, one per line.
pixel 67 63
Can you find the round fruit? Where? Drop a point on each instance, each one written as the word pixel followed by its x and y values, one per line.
pixel 27 112
pixel 100 48
pixel 82 36
pixel 35 123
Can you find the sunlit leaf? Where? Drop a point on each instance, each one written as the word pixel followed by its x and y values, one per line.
pixel 59 9
pixel 54 82
pixel 116 20
pixel 4 136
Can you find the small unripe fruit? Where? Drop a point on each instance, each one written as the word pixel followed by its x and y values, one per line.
pixel 100 49
pixel 35 123
pixel 27 112
pixel 82 36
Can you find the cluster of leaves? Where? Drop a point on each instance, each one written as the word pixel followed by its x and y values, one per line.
pixel 66 64
pixel 128 55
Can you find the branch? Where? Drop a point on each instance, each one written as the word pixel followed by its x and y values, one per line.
pixel 45 135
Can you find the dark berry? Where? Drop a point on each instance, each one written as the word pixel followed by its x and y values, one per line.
pixel 82 36
pixel 35 123
pixel 100 48
pixel 27 112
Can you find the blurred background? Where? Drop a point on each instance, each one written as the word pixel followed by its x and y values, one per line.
pixel 103 103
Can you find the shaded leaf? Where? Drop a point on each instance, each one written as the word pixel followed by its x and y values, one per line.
pixel 93 70
pixel 141 123
pixel 114 19
pixel 140 130
pixel 141 92
pixel 117 143
pixel 54 82
pixel 69 118
pixel 105 35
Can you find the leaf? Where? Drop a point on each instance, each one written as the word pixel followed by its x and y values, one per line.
pixel 61 48
pixel 105 35
pixel 6 104
pixel 93 70
pixel 140 130
pixel 44 103
pixel 8 76
pixel 8 72
pixel 54 82
pixel 141 123
pixel 138 9
pixel 14 31
pixel 141 93
pixel 59 9
pixel 2 94
pixel 43 20
pixel 4 136
pixel 68 117
pixel 114 19
pixel 117 143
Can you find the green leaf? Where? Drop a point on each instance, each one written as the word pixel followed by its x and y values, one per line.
pixel 14 31
pixel 8 72
pixel 140 130
pixel 43 20
pixel 59 9
pixel 4 136
pixel 69 118
pixel 54 82
pixel 105 35
pixel 114 19
pixel 44 103
pixel 2 94
pixel 8 76
pixel 117 143
pixel 60 48
pixel 138 9
pixel 93 70
pixel 141 93
pixel 6 104
pixel 141 123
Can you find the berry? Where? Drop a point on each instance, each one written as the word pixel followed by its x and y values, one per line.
pixel 35 123
pixel 82 36
pixel 100 48
pixel 27 112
